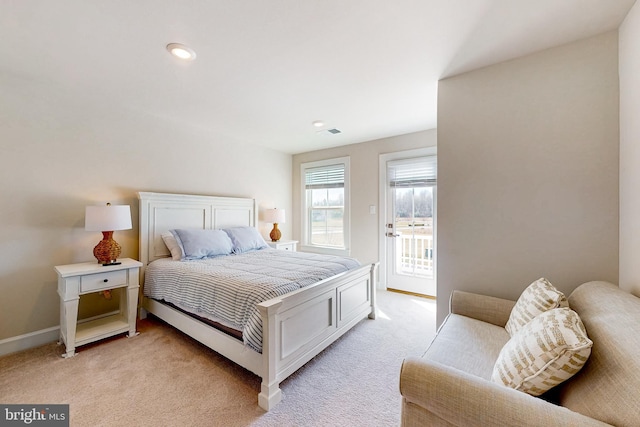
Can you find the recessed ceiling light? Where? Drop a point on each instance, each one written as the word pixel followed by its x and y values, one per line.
pixel 181 51
pixel 318 123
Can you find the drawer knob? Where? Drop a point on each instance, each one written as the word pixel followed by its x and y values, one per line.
pixel 106 280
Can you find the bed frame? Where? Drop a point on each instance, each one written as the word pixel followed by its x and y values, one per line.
pixel 296 326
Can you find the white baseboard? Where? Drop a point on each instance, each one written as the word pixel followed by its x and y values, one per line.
pixel 30 340
pixel 38 338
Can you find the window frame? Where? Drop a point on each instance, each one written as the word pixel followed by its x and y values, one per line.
pixel 305 226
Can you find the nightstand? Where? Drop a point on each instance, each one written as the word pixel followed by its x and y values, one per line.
pixel 87 277
pixel 284 245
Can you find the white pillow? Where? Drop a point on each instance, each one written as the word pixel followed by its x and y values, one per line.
pixel 537 298
pixel 550 349
pixel 245 239
pixel 198 244
pixel 172 245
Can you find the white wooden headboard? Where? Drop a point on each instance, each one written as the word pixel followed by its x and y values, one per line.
pixel 161 212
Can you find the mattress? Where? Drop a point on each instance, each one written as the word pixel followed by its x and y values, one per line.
pixel 227 289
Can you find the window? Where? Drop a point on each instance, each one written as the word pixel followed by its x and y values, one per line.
pixel 325 202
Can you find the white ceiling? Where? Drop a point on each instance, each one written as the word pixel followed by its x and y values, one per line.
pixel 266 69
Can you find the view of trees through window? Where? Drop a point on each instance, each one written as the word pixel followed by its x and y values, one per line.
pixel 327 216
pixel 414 202
pixel 414 209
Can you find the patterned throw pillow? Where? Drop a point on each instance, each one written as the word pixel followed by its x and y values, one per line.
pixel 547 351
pixel 537 298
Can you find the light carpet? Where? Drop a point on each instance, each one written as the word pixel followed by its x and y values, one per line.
pixel 164 378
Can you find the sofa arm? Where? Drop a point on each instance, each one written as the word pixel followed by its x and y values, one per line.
pixel 462 399
pixel 488 309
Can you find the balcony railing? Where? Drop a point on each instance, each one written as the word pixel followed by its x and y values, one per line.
pixel 414 254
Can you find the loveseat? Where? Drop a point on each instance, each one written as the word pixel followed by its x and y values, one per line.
pixel 451 385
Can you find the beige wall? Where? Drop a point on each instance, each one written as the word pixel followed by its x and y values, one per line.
pixel 629 63
pixel 59 155
pixel 364 159
pixel 528 172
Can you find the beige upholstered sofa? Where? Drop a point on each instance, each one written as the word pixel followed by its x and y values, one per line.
pixel 450 385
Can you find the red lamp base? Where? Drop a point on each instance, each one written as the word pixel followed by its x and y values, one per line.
pixel 107 250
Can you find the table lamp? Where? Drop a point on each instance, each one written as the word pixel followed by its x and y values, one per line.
pixel 274 216
pixel 109 218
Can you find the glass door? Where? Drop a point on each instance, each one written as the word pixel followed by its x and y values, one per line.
pixel 410 229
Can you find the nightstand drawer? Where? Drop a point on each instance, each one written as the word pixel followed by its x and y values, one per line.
pixel 100 281
pixel 284 245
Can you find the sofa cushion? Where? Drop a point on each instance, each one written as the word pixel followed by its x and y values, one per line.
pixel 550 349
pixel 607 387
pixel 537 298
pixel 467 344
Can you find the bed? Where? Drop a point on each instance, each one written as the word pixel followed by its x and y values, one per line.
pixel 296 326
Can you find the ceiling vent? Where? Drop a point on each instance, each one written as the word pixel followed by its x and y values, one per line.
pixel 333 131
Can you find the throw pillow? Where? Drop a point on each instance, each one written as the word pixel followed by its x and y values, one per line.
pixel 547 351
pixel 172 244
pixel 537 298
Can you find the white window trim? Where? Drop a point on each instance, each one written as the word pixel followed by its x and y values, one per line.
pixel 305 246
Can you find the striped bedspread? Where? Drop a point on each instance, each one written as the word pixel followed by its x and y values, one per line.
pixel 227 289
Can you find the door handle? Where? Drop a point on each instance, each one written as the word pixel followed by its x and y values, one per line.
pixel 390 234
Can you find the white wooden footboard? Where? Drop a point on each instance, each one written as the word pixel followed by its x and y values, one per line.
pixel 299 325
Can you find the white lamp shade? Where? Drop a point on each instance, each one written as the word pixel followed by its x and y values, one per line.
pixel 274 216
pixel 107 218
